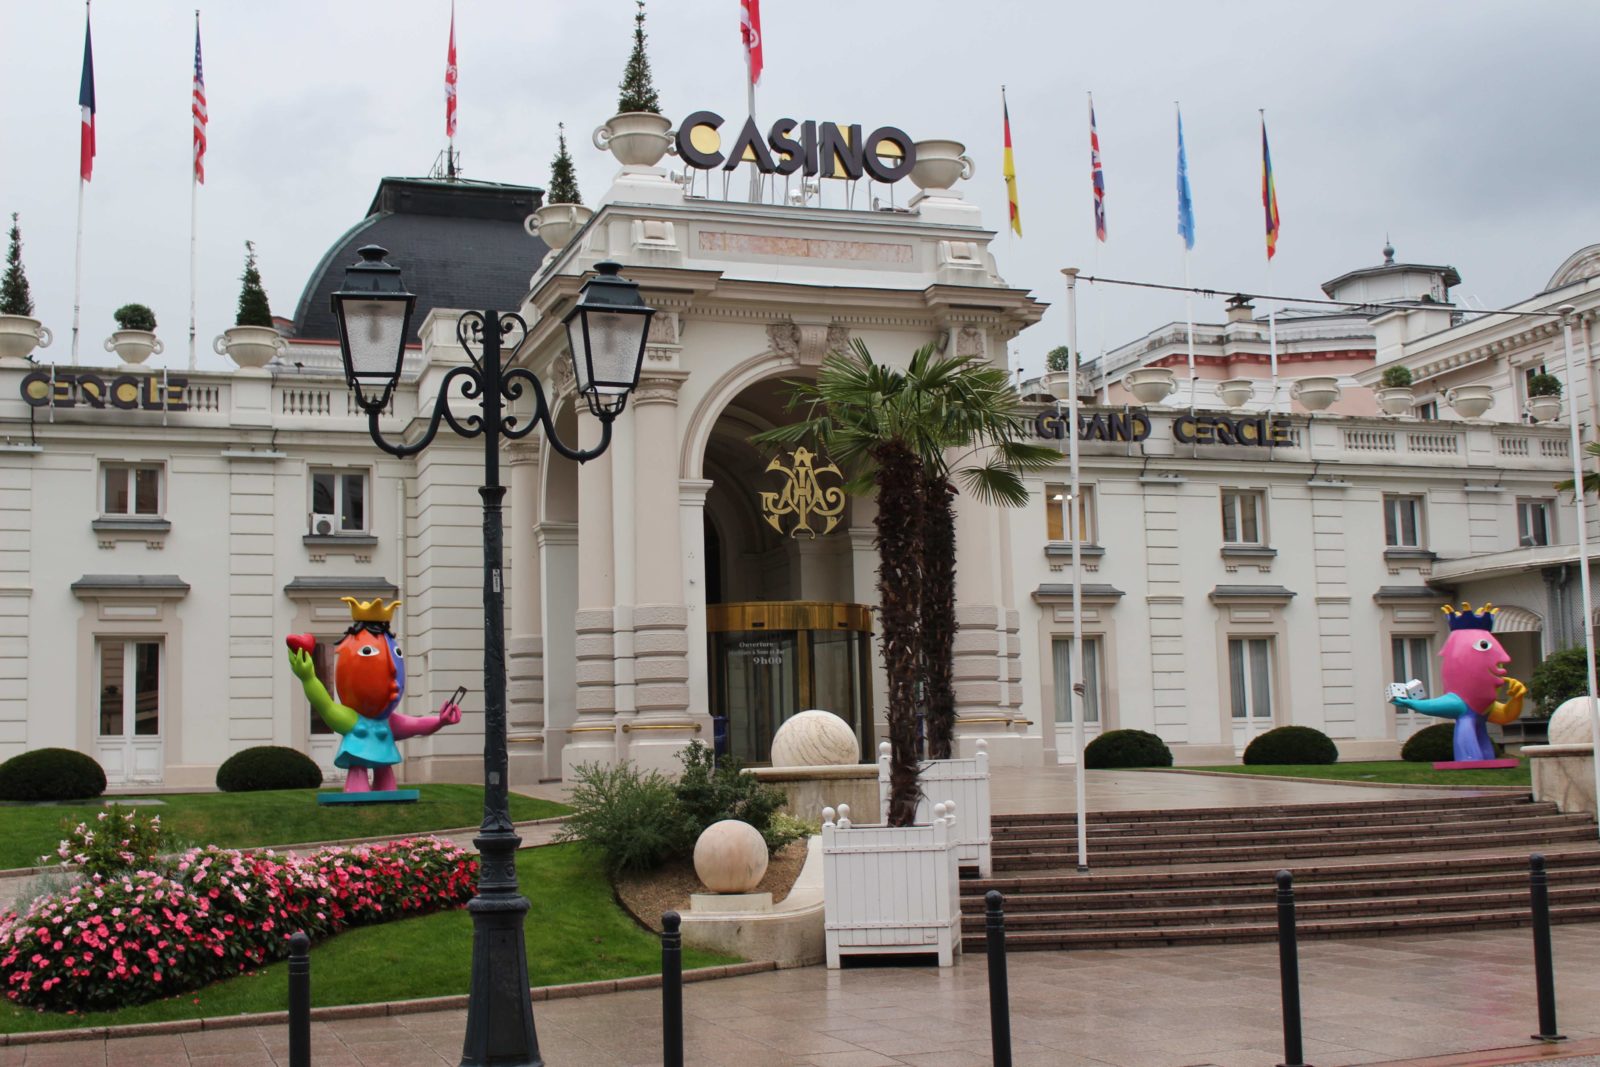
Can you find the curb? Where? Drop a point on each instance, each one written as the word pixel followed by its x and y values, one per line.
pixel 1496 1057
pixel 335 1012
pixel 1508 789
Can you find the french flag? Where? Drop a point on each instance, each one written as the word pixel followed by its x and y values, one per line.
pixel 86 101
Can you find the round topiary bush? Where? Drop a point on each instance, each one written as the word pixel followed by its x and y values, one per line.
pixel 1434 744
pixel 1292 744
pixel 51 774
pixel 1126 748
pixel 268 767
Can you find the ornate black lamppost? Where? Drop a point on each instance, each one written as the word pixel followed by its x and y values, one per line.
pixel 606 330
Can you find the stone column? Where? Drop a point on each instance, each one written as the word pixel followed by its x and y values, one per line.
pixel 692 533
pixel 592 736
pixel 524 641
pixel 558 560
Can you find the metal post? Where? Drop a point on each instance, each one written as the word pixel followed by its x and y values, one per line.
pixel 1580 501
pixel 1544 974
pixel 1074 510
pixel 671 990
pixel 1289 973
pixel 999 994
pixel 299 1001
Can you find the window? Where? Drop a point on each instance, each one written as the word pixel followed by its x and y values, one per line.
pixel 131 489
pixel 1055 510
pixel 1402 521
pixel 338 502
pixel 1428 412
pixel 1242 517
pixel 1412 658
pixel 1533 523
pixel 1250 677
pixel 130 688
pixel 1061 653
pixel 1527 376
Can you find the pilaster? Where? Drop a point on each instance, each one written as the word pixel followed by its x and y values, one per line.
pixel 592 737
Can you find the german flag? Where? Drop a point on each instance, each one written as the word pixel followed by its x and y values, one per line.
pixel 1009 169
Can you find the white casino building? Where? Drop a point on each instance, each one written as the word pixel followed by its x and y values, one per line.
pixel 1242 570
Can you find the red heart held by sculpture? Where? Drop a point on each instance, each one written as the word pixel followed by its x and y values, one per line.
pixel 301 642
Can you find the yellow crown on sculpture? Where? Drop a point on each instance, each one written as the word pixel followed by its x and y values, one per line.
pixel 370 610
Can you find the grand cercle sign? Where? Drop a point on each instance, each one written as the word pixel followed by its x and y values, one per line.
pixel 1199 428
pixel 789 146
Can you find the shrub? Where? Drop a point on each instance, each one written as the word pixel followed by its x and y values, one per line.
pixel 254 310
pixel 1126 748
pixel 1292 744
pixel 116 840
pixel 1058 358
pixel 1431 744
pixel 135 317
pixel 706 796
pixel 638 91
pixel 114 942
pixel 1397 377
pixel 785 829
pixel 563 179
pixel 1543 384
pixel 51 774
pixel 268 767
pixel 633 819
pixel 15 298
pixel 1558 679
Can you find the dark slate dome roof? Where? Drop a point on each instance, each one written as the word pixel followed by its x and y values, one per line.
pixel 460 243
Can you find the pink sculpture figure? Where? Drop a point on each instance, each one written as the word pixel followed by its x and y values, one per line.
pixel 1472 666
pixel 370 676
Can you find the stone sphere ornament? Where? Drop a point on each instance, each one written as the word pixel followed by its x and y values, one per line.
pixel 730 857
pixel 815 739
pixel 1570 724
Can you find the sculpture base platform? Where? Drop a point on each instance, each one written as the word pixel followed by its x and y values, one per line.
pixel 386 796
pixel 1477 764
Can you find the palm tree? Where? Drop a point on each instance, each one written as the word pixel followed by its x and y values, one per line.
pixel 1591 479
pixel 898 432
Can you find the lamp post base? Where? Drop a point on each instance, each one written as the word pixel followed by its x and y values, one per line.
pixel 500 1029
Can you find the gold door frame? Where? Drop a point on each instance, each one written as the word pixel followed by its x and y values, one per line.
pixel 800 616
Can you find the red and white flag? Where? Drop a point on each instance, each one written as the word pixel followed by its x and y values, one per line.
pixel 750 32
pixel 450 81
pixel 86 103
pixel 198 105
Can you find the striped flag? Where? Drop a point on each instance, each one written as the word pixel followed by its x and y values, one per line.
pixel 1009 169
pixel 1185 200
pixel 1097 175
pixel 450 80
pixel 1269 192
pixel 198 105
pixel 86 102
pixel 750 33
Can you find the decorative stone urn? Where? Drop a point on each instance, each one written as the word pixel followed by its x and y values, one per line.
pixel 1544 408
pixel 1236 392
pixel 1151 385
pixel 1396 399
pixel 1471 401
pixel 557 223
pixel 1316 393
pixel 20 335
pixel 636 138
pixel 134 346
pixel 940 164
pixel 251 347
pixel 730 857
pixel 815 738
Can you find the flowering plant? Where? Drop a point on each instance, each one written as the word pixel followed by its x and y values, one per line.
pixel 116 840
pixel 136 936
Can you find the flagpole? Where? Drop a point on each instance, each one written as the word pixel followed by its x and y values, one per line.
pixel 1188 302
pixel 1075 533
pixel 750 109
pixel 77 274
pixel 1186 213
pixel 1272 311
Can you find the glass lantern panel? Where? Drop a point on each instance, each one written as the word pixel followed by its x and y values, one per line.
pixel 577 347
pixel 614 340
pixel 374 329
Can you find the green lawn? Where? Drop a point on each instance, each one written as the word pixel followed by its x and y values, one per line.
pixel 241 820
pixel 575 931
pixel 1399 771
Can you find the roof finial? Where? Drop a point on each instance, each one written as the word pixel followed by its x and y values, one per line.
pixel 1388 251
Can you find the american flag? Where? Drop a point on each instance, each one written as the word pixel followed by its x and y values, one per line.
pixel 750 33
pixel 450 81
pixel 199 108
pixel 1098 175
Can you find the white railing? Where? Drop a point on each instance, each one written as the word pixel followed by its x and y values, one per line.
pixel 1436 443
pixel 1369 440
pixel 1512 446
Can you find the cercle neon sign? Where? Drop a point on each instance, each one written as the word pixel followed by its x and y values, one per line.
pixel 813 148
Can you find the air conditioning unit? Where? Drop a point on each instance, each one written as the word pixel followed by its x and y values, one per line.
pixel 324 525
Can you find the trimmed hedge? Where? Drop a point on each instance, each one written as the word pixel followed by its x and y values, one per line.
pixel 268 767
pixel 1292 744
pixel 1126 748
pixel 51 774
pixel 1435 744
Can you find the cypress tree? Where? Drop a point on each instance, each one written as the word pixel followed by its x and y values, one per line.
pixel 563 179
pixel 638 91
pixel 253 307
pixel 14 296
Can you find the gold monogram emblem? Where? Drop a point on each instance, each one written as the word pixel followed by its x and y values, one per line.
pixel 802 496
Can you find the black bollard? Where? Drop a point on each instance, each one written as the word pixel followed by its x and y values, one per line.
pixel 999 994
pixel 1544 973
pixel 1289 973
pixel 671 990
pixel 299 1001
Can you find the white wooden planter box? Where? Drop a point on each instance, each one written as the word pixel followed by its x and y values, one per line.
pixel 890 889
pixel 964 781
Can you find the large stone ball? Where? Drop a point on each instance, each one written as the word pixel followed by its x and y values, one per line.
pixel 730 857
pixel 815 739
pixel 1570 724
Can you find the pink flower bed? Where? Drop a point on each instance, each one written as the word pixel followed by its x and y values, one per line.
pixel 125 939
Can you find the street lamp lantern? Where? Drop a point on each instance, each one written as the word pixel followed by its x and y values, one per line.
pixel 374 313
pixel 606 331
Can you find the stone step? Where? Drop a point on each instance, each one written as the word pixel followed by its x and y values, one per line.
pixel 1449 803
pixel 1181 825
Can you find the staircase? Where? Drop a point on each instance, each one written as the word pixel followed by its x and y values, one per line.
pixel 1206 876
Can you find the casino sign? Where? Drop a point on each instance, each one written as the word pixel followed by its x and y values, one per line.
pixel 814 148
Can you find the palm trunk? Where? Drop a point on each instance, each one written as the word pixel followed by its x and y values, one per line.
pixel 899 526
pixel 939 615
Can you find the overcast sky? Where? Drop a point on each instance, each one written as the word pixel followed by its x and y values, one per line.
pixel 1466 131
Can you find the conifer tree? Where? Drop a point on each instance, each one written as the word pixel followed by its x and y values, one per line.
pixel 15 299
pixel 563 179
pixel 253 307
pixel 638 90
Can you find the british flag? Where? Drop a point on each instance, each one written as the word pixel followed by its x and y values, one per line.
pixel 1098 175
pixel 199 107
